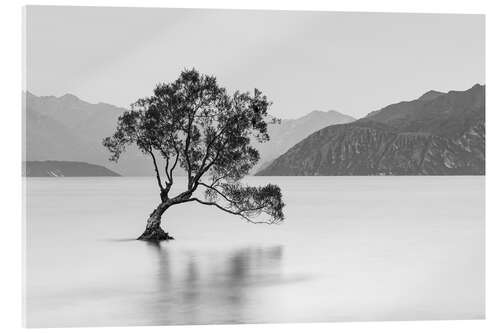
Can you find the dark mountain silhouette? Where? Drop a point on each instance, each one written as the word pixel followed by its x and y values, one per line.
pixel 436 134
pixel 447 115
pixel 430 95
pixel 65 169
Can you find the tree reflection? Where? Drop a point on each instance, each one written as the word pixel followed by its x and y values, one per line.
pixel 194 287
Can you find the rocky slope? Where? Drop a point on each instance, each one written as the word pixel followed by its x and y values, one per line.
pixel 286 134
pixel 65 169
pixel 437 134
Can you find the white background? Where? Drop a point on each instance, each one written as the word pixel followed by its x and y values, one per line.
pixel 10 166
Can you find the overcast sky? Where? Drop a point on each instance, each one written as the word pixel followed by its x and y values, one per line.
pixel 350 62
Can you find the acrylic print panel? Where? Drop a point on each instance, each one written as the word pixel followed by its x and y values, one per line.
pixel 162 189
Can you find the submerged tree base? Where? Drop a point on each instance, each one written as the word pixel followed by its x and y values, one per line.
pixel 155 235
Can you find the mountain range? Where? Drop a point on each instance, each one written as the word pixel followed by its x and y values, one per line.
pixel 435 134
pixel 67 128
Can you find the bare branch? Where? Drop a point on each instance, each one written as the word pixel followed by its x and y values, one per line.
pixel 158 179
pixel 167 161
pixel 170 172
pixel 186 149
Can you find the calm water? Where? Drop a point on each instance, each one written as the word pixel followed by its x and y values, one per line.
pixel 352 248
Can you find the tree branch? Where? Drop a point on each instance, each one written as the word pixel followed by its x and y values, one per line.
pixel 158 179
pixel 216 180
pixel 209 145
pixel 188 141
pixel 203 170
pixel 186 149
pixel 170 173
pixel 167 161
pixel 219 192
pixel 238 213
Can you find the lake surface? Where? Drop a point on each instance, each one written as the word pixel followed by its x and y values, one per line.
pixel 351 249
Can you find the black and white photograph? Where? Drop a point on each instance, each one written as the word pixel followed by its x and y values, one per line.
pixel 231 166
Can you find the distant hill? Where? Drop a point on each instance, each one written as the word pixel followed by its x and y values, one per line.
pixel 291 131
pixel 436 134
pixel 65 169
pixel 47 138
pixel 67 128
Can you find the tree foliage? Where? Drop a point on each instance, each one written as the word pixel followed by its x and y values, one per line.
pixel 195 124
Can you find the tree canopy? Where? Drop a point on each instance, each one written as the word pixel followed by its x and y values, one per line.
pixel 195 124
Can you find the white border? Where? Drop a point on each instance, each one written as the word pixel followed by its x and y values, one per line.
pixel 10 180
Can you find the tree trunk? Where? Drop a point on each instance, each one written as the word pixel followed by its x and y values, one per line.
pixel 154 232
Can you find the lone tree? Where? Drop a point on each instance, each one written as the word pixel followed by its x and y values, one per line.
pixel 197 125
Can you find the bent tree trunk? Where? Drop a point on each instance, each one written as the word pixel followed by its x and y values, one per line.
pixel 154 232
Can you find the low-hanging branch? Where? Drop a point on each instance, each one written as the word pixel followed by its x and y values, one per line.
pixel 239 213
pixel 195 125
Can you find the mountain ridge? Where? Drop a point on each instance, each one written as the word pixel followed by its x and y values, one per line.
pixel 69 128
pixel 440 135
pixel 430 95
